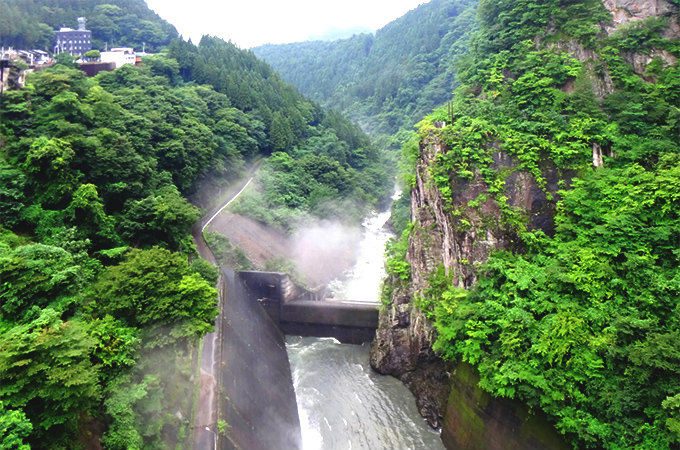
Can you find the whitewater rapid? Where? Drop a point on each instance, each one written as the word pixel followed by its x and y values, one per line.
pixel 343 404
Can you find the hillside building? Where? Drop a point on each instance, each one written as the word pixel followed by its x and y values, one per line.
pixel 74 42
pixel 119 56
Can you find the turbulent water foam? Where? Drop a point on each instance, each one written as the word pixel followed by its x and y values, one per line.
pixel 362 282
pixel 344 405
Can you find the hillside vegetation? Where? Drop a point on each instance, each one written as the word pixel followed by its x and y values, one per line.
pixel 582 323
pixel 388 81
pixel 103 300
pixel 30 24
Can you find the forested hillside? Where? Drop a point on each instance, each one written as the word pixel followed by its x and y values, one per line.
pixel 559 153
pixel 103 300
pixel 30 24
pixel 387 81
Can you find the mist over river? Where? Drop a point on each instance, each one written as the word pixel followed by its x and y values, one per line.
pixel 362 282
pixel 343 404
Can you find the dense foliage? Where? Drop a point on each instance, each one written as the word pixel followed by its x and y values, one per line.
pixel 581 323
pixel 387 81
pixel 102 301
pixel 322 164
pixel 30 24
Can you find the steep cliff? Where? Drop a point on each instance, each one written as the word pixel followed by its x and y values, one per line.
pixel 460 242
pixel 533 119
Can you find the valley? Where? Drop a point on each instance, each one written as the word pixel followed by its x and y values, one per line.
pixel 529 298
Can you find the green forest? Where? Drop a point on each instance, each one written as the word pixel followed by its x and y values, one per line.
pixel 580 322
pixel 103 299
pixel 387 81
pixel 30 24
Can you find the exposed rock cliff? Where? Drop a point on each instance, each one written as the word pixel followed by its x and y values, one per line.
pixel 403 344
pixel 459 237
pixel 627 11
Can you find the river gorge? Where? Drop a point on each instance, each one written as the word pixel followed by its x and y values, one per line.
pixel 342 402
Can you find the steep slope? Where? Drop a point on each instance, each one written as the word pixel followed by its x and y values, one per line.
pixel 387 81
pixel 543 249
pixel 103 300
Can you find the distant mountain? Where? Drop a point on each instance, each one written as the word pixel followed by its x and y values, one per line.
pixel 333 34
pixel 387 81
pixel 116 23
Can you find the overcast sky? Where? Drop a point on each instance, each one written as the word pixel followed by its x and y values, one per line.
pixel 249 23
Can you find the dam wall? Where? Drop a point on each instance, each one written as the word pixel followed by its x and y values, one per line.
pixel 257 398
pixel 300 312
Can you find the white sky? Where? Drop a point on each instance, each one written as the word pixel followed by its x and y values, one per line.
pixel 250 23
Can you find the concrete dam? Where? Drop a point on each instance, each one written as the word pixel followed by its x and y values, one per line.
pixel 246 399
pixel 253 401
pixel 250 374
pixel 297 311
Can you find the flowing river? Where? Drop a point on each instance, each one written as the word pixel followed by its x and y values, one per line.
pixel 343 404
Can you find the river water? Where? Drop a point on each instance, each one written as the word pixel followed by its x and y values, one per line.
pixel 362 282
pixel 343 404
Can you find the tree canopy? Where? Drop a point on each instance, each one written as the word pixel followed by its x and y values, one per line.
pixel 30 24
pixel 579 321
pixel 385 81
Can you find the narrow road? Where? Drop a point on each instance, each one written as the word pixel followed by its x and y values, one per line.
pixel 205 425
pixel 200 226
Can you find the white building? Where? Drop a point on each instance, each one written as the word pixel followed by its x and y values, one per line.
pixel 119 56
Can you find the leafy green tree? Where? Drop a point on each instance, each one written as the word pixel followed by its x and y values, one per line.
pixel 48 165
pixel 281 134
pixel 46 371
pixel 164 216
pixel 124 434
pixel 206 270
pixel 12 197
pixel 14 429
pixel 65 59
pixel 156 287
pixel 34 275
pixel 87 211
pixel 93 55
pixel 115 348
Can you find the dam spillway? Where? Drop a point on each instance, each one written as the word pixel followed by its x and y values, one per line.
pixel 299 312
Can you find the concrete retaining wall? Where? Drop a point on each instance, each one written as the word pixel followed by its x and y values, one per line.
pixel 257 399
pixel 476 421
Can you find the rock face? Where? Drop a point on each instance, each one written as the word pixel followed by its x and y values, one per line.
pixel 627 11
pixel 447 232
pixel 624 13
pixel 403 344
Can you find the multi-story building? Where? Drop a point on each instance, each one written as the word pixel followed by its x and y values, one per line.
pixel 74 42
